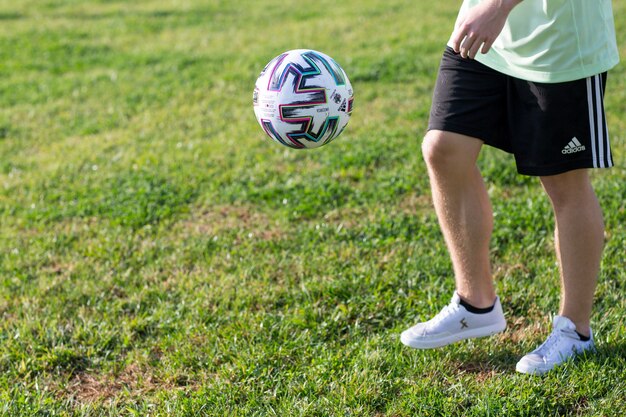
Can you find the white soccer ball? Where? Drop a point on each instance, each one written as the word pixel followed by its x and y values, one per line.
pixel 303 99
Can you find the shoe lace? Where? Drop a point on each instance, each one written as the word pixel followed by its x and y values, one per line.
pixel 445 312
pixel 546 348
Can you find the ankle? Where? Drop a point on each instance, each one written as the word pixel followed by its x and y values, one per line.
pixel 582 325
pixel 478 301
pixel 476 310
pixel 584 331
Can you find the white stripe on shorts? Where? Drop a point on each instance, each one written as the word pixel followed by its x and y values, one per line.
pixel 592 130
pixel 600 147
pixel 609 156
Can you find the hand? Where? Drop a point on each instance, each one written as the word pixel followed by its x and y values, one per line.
pixel 480 26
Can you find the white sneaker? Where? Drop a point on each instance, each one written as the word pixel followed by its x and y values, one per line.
pixel 452 324
pixel 562 344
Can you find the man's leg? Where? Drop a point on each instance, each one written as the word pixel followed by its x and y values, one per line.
pixel 464 211
pixel 465 216
pixel 579 240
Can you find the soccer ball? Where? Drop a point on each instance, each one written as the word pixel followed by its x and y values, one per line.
pixel 303 99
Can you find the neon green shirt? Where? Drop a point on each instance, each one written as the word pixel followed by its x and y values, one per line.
pixel 554 41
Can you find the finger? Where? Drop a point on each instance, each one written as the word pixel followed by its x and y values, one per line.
pixel 467 45
pixel 486 46
pixel 457 39
pixel 471 54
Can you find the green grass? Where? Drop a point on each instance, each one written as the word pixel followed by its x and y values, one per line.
pixel 160 256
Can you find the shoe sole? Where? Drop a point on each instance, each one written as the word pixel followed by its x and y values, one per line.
pixel 406 339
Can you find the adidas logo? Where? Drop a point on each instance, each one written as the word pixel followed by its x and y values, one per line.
pixel 573 146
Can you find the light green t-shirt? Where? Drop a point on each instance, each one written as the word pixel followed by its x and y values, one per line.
pixel 554 41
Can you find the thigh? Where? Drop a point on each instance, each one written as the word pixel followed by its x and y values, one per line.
pixel 469 99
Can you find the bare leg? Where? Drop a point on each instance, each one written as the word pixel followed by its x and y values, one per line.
pixel 464 211
pixel 579 240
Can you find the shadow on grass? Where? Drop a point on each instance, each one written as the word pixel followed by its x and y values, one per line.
pixel 608 352
pixel 484 363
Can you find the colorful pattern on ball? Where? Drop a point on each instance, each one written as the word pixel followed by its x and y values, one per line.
pixel 303 99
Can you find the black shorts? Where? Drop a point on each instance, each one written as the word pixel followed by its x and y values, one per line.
pixel 550 128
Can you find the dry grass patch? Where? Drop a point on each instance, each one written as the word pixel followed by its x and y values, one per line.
pixel 245 220
pixel 349 217
pixel 133 382
pixel 521 329
pixel 414 203
pixel 480 371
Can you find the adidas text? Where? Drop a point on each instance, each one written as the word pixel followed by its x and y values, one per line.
pixel 573 146
pixel 573 150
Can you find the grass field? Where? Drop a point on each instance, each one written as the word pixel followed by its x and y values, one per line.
pixel 159 256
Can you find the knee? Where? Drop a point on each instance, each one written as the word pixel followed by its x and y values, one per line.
pixel 436 150
pixel 569 188
pixel 444 151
